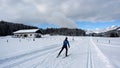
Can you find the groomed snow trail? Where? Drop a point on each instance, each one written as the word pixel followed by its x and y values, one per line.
pixel 106 63
pixel 83 53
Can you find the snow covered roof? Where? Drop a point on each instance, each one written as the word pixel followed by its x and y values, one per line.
pixel 26 31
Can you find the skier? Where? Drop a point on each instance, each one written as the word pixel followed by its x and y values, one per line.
pixel 65 45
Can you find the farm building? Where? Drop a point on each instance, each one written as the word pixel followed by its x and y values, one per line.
pixel 30 33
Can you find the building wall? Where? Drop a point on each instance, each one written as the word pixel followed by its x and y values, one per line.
pixel 29 35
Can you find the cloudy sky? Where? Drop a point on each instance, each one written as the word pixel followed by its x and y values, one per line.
pixel 85 14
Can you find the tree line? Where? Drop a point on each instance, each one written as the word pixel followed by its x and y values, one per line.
pixel 7 28
pixel 64 31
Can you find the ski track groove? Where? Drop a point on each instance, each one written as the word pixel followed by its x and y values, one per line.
pixel 103 58
pixel 23 61
pixel 48 49
pixel 32 54
pixel 45 59
pixel 89 57
pixel 26 54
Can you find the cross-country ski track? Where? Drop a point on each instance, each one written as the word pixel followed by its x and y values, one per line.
pixel 83 53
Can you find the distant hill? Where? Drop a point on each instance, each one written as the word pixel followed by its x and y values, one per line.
pixel 112 33
pixel 7 28
pixel 108 32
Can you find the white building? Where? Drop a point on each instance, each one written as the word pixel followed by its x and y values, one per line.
pixel 30 33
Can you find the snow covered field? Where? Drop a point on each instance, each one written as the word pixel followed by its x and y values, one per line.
pixel 85 52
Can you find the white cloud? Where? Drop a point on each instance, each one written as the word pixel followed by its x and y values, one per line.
pixel 60 12
pixel 61 20
pixel 42 8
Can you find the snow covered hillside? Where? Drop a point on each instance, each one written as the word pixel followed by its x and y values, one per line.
pixel 97 30
pixel 85 52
